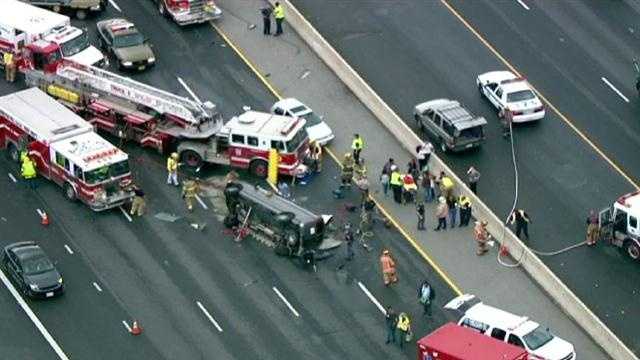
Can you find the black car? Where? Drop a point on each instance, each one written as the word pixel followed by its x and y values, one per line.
pixel 31 270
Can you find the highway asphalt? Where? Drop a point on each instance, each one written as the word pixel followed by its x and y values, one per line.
pixel 166 274
pixel 412 51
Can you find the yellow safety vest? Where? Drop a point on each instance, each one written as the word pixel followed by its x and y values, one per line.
pixel 447 182
pixel 28 169
pixel 172 165
pixel 357 144
pixel 396 178
pixel 8 58
pixel 278 12
pixel 464 201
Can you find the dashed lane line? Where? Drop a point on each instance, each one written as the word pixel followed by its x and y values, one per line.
pixel 68 249
pixel 615 90
pixel 115 5
pixel 201 202
pixel 126 215
pixel 523 4
pixel 208 315
pixel 126 326
pixel 284 299
pixel 13 178
pixel 95 285
pixel 372 298
pixel 45 333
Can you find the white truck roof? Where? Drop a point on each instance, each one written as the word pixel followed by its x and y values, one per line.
pixel 28 18
pixel 89 151
pixel 261 123
pixel 41 116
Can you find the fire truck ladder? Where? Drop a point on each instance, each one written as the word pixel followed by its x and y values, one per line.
pixel 161 101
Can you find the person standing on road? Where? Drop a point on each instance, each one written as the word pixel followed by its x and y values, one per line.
pixel 396 183
pixel 404 325
pixel 473 176
pixel 266 20
pixel 452 205
pixel 420 213
pixel 278 14
pixel 28 172
pixel 446 185
pixel 522 220
pixel 465 210
pixel 426 295
pixel 349 239
pixel 356 147
pixel 172 169
pixel 138 205
pixel 385 176
pixel 506 119
pixel 190 190
pixel 388 268
pixel 316 155
pixel 391 321
pixel 592 228
pixel 347 170
pixel 441 213
pixel 481 236
pixel 424 153
pixel 9 66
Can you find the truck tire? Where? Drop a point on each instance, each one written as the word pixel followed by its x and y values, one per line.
pixel 633 250
pixel 13 153
pixel 81 14
pixel 161 8
pixel 259 168
pixel 69 192
pixel 191 159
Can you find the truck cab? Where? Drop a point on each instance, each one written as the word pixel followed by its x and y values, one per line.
pixel 74 45
pixel 619 224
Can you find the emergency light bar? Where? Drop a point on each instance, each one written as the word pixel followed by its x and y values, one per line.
pixel 508 81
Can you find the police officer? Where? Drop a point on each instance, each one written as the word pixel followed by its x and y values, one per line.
pixel 356 146
pixel 190 190
pixel 278 13
pixel 9 66
pixel 172 169
pixel 266 20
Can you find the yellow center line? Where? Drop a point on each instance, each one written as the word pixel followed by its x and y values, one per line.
pixel 386 213
pixel 566 120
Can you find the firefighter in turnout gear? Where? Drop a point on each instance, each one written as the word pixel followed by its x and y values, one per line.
pixel 347 170
pixel 9 66
pixel 190 189
pixel 316 155
pixel 172 169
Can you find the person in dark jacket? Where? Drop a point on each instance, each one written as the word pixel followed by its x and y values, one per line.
pixel 391 321
pixel 266 20
pixel 522 220
pixel 426 294
pixel 420 213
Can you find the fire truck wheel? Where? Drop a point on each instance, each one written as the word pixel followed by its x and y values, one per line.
pixel 259 168
pixel 81 14
pixel 633 250
pixel 13 153
pixel 69 192
pixel 191 158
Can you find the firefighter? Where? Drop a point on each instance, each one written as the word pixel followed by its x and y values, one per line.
pixel 481 236
pixel 316 155
pixel 347 170
pixel 356 146
pixel 190 189
pixel 359 168
pixel 522 220
pixel 388 268
pixel 9 67
pixel 506 119
pixel 172 169
pixel 592 228
pixel 28 172
pixel 139 204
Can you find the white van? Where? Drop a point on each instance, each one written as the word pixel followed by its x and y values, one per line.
pixel 510 328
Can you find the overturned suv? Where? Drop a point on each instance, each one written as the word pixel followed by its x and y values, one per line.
pixel 292 228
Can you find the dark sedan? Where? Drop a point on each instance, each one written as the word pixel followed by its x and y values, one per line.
pixel 31 270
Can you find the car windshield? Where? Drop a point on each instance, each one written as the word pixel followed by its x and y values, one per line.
pixel 312 119
pixel 36 265
pixel 471 133
pixel 133 39
pixel 294 143
pixel 537 338
pixel 106 172
pixel 75 45
pixel 521 95
pixel 298 109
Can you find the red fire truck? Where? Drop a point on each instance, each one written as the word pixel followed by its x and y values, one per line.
pixel 65 149
pixel 158 119
pixel 453 342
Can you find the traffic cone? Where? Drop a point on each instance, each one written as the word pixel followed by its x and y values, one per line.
pixel 44 219
pixel 504 251
pixel 135 328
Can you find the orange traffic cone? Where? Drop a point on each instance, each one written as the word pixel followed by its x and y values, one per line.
pixel 135 328
pixel 504 251
pixel 44 219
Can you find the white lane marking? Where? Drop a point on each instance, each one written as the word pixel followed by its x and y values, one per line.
pixel 614 89
pixel 95 285
pixel 126 326
pixel 201 202
pixel 68 249
pixel 13 178
pixel 115 5
pixel 33 317
pixel 124 212
pixel 206 313
pixel 286 302
pixel 186 87
pixel 523 4
pixel 372 298
pixel 41 213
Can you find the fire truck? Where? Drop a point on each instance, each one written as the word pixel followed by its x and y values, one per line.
pixel 65 149
pixel 134 111
pixel 619 224
pixel 22 24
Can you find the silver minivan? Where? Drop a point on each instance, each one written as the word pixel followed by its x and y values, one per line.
pixel 450 124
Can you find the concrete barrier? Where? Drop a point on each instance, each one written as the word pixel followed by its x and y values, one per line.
pixel 554 287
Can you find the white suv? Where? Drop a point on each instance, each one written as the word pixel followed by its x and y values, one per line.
pixel 510 328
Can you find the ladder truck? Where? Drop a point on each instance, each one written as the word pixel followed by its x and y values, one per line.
pixel 134 111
